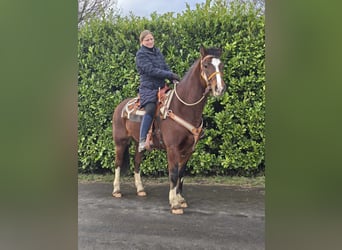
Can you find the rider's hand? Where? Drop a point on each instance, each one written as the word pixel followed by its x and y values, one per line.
pixel 175 77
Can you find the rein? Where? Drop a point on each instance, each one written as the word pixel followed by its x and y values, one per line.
pixel 195 103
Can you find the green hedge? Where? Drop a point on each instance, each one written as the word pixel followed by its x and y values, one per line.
pixel 235 123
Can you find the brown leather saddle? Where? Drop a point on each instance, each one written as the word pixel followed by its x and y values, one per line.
pixel 133 112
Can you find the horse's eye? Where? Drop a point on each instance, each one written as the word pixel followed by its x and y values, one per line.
pixel 205 65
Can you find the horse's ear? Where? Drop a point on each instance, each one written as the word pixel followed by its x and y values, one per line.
pixel 203 51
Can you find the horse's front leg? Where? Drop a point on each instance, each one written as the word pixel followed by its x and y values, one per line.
pixel 137 177
pixel 175 204
pixel 175 175
pixel 180 197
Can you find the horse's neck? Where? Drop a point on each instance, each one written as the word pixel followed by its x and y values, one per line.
pixel 191 90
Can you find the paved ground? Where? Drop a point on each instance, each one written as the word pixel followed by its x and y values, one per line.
pixel 218 217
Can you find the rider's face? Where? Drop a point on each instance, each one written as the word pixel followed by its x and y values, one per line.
pixel 148 41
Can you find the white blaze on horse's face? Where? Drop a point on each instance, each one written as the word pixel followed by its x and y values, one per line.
pixel 219 81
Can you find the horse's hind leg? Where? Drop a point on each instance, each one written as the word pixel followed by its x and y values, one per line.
pixel 121 163
pixel 137 177
pixel 116 184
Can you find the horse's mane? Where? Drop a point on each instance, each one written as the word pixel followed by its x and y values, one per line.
pixel 191 68
pixel 216 52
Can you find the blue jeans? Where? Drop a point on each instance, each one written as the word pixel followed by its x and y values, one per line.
pixel 150 109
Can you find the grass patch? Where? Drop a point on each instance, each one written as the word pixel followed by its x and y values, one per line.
pixel 210 180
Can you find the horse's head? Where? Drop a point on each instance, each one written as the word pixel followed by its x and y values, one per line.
pixel 212 70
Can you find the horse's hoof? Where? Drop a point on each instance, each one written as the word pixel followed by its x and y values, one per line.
pixel 177 211
pixel 184 205
pixel 117 195
pixel 141 193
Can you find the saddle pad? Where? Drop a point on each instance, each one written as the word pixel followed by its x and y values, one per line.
pixel 131 111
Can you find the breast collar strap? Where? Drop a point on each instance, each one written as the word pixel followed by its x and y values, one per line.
pixel 196 132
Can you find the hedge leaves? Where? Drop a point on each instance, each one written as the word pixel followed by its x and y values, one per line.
pixel 235 123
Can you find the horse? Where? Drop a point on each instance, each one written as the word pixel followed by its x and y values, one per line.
pixel 179 131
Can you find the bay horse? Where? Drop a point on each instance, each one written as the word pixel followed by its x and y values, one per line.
pixel 179 131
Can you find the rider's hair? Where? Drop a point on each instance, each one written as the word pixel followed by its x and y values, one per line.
pixel 143 34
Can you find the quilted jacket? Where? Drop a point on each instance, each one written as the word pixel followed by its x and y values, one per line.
pixel 153 71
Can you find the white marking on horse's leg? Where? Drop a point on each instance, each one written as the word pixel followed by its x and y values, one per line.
pixel 216 62
pixel 173 198
pixel 116 183
pixel 180 198
pixel 138 183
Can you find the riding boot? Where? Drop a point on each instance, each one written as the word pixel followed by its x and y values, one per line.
pixel 144 127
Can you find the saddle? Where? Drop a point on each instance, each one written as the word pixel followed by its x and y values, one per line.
pixel 133 112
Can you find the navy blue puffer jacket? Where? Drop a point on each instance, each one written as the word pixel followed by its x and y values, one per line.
pixel 153 71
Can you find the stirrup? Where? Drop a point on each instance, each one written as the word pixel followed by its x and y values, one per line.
pixel 141 146
pixel 202 134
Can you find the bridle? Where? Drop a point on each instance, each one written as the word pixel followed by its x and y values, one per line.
pixel 207 81
pixel 204 75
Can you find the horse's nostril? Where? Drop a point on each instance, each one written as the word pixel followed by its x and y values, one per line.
pixel 221 89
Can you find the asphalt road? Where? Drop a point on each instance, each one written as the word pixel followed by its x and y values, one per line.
pixel 218 217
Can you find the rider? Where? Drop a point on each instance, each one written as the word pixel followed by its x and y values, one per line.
pixel 153 71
